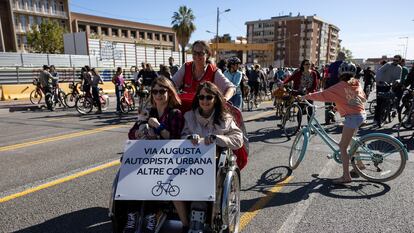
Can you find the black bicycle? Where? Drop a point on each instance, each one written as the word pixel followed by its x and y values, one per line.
pixel 167 187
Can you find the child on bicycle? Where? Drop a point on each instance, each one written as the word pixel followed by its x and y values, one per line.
pixel 349 98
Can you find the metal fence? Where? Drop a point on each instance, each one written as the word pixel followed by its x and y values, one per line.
pixel 21 75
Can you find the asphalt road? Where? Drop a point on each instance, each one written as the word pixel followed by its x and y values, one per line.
pixel 43 189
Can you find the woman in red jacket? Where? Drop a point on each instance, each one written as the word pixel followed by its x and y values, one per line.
pixel 305 81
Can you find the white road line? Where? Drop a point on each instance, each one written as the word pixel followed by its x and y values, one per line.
pixel 296 216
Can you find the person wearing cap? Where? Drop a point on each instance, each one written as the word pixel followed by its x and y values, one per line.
pixel 350 102
pixel 235 76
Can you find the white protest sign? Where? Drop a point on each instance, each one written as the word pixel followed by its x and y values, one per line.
pixel 167 170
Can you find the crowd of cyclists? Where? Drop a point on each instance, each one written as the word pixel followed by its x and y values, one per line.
pixel 196 93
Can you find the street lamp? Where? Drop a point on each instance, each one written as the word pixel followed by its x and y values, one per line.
pixel 217 29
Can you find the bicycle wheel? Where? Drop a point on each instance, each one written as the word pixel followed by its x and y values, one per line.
pixel 104 99
pixel 298 150
pixel 250 102
pixel 174 190
pixel 131 104
pixel 378 157
pixel 404 115
pixel 84 105
pixel 70 99
pixel 157 190
pixel 124 105
pixel 35 97
pixel 372 106
pixel 50 101
pixel 292 120
pixel 61 98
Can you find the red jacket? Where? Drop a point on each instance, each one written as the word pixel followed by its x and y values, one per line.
pixel 297 79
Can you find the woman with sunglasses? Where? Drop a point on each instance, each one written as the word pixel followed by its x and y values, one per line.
pixel 210 120
pixel 191 74
pixel 167 121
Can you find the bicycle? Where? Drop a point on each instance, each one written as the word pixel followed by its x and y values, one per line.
pixel 374 151
pixel 71 97
pixel 127 101
pixel 85 103
pixel 168 188
pixel 406 111
pixel 37 94
pixel 292 117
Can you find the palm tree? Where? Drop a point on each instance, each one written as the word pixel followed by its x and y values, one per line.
pixel 183 26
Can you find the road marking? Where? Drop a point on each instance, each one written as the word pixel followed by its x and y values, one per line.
pixel 254 210
pixel 58 138
pixel 60 181
pixel 297 214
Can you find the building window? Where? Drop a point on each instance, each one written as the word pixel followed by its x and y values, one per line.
pixel 61 7
pixel 164 37
pixel 31 21
pixel 93 30
pixel 104 31
pixel 38 6
pixel 133 34
pixel 141 35
pixel 149 36
pixel 46 6
pixel 39 20
pixel 23 22
pixel 170 38
pixel 157 36
pixel 81 28
pixel 123 33
pixel 30 5
pixel 54 7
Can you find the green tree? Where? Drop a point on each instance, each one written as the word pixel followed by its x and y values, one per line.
pixel 348 53
pixel 183 26
pixel 46 37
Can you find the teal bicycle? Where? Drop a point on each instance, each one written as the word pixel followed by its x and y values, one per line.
pixel 376 157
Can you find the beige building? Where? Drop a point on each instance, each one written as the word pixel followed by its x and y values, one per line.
pixel 295 38
pixel 17 17
pixel 116 30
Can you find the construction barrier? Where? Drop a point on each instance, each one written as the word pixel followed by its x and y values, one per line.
pixel 22 91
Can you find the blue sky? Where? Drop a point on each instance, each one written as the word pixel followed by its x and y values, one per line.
pixel 368 28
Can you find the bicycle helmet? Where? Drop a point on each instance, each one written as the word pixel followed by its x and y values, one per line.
pixel 347 68
pixel 233 60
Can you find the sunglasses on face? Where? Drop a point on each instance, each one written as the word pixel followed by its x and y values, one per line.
pixel 207 97
pixel 198 53
pixel 161 91
pixel 306 64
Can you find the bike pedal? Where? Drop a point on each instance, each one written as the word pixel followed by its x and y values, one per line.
pixel 329 156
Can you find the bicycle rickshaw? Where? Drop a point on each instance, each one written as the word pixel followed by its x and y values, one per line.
pixel 220 213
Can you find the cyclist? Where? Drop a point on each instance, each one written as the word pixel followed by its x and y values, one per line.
pixel 256 76
pixel 87 80
pixel 118 81
pixel 387 74
pixel 235 76
pixel 96 80
pixel 369 80
pixel 349 99
pixel 45 79
pixel 305 80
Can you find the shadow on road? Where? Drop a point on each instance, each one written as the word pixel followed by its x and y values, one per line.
pixel 358 189
pixel 87 221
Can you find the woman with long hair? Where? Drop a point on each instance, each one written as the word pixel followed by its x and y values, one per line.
pixel 118 81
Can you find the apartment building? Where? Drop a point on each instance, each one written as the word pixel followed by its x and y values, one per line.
pixel 295 38
pixel 17 17
pixel 116 30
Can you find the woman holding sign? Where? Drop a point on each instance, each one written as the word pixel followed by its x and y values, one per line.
pixel 167 122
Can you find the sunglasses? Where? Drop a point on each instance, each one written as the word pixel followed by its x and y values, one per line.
pixel 198 53
pixel 207 97
pixel 306 64
pixel 161 91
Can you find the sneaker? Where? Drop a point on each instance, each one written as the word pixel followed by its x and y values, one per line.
pixel 150 223
pixel 131 224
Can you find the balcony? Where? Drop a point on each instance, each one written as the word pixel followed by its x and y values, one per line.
pixel 40 12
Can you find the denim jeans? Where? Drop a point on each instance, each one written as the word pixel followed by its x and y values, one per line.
pixel 236 100
pixel 118 93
